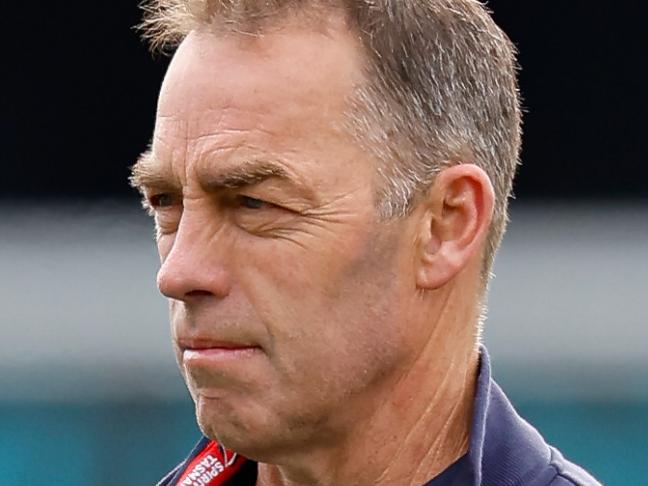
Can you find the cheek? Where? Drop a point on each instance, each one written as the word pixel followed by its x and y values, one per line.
pixel 330 312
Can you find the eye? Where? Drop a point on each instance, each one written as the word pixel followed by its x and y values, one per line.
pixel 248 202
pixel 161 200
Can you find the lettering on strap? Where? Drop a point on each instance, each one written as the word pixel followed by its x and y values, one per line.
pixel 211 467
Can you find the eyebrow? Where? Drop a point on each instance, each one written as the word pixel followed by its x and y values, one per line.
pixel 243 175
pixel 147 173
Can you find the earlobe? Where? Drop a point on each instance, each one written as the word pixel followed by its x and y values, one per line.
pixel 454 225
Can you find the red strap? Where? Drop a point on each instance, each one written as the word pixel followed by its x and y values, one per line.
pixel 211 467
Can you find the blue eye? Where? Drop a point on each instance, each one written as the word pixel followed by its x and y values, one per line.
pixel 251 202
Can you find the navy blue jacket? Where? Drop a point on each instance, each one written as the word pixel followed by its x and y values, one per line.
pixel 504 451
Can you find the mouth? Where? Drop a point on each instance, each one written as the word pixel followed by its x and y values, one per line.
pixel 214 353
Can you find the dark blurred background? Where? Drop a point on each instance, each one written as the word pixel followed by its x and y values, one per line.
pixel 79 93
pixel 87 376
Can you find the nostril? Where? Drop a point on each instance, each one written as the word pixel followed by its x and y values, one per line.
pixel 198 293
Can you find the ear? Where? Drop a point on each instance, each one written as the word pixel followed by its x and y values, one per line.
pixel 455 224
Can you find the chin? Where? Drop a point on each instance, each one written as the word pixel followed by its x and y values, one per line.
pixel 245 430
pixel 254 446
pixel 227 425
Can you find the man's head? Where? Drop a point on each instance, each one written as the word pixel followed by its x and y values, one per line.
pixel 316 237
pixel 440 85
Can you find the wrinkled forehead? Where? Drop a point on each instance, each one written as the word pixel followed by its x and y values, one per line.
pixel 282 95
pixel 295 71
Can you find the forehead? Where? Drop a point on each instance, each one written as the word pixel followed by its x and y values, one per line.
pixel 291 82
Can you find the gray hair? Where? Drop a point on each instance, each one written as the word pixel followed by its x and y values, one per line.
pixel 441 86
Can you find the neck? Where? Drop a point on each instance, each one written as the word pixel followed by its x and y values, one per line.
pixel 408 433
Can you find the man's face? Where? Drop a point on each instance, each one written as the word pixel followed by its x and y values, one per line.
pixel 286 293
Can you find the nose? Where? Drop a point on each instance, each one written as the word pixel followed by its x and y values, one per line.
pixel 194 267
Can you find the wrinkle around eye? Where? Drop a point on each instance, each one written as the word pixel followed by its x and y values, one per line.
pixel 305 221
pixel 262 218
pixel 166 217
pixel 165 225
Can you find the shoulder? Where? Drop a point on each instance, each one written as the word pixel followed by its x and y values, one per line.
pixel 506 449
pixel 568 473
pixel 515 450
